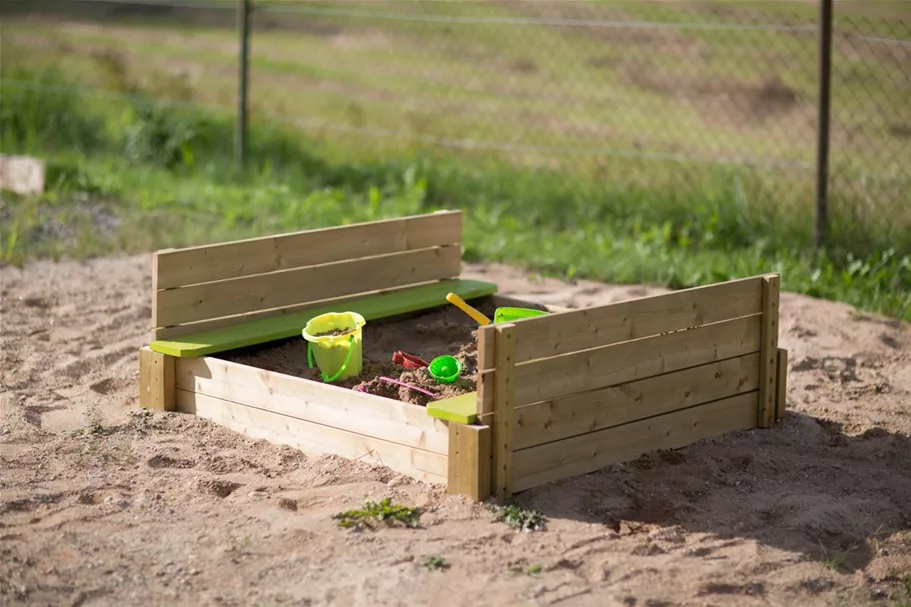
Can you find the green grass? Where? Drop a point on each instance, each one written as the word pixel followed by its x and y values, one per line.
pixel 129 175
pixel 376 513
pixel 435 562
pixel 518 518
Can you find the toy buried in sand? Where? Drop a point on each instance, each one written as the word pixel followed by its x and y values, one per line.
pixel 396 382
pixel 334 339
pixel 445 369
pixel 409 361
pixel 505 314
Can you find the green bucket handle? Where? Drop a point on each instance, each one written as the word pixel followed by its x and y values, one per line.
pixel 341 370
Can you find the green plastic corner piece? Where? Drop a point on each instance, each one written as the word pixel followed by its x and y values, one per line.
pixel 373 307
pixel 461 409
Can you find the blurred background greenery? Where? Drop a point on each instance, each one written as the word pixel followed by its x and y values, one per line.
pixel 669 143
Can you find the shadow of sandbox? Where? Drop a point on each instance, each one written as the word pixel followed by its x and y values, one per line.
pixel 804 486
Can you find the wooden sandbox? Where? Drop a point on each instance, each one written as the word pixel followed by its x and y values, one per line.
pixel 557 395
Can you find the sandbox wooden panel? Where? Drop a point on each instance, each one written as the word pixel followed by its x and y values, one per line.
pixel 572 392
pixel 203 288
pixel 314 417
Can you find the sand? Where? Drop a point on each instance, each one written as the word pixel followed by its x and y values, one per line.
pixel 104 504
pixel 447 331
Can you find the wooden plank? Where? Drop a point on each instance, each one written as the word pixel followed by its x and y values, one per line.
pixel 592 411
pixel 156 380
pixel 593 451
pixel 373 307
pixel 300 285
pixel 549 378
pixel 561 333
pixel 768 363
pixel 469 461
pixel 487 336
pixel 309 406
pixel 154 298
pixel 182 267
pixel 315 439
pixel 324 404
pixel 781 378
pixel 503 410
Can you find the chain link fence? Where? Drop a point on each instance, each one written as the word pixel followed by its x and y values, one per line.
pixel 690 101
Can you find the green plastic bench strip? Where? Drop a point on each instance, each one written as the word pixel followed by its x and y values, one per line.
pixel 460 409
pixel 373 307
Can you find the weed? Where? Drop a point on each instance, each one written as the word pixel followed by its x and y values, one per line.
pixel 434 563
pixel 533 570
pixel 378 512
pixel 92 428
pixel 518 518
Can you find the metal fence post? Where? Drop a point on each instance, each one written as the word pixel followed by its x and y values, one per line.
pixel 240 129
pixel 825 100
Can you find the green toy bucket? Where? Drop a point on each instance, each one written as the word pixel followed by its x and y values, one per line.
pixel 508 314
pixel 445 369
pixel 335 341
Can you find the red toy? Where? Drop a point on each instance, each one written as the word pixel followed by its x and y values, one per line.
pixel 409 361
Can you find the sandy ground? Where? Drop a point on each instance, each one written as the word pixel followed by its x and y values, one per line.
pixel 104 504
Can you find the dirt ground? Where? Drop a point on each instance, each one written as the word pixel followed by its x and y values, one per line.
pixel 104 504
pixel 447 331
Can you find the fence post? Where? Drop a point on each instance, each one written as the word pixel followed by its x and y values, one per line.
pixel 240 128
pixel 825 100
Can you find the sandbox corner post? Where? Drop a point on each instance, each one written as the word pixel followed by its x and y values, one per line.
pixel 768 351
pixel 781 401
pixel 487 336
pixel 469 461
pixel 156 380
pixel 153 320
pixel 504 410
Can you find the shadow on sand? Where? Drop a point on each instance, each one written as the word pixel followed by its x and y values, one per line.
pixel 803 486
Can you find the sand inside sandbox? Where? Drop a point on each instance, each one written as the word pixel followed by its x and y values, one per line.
pixel 442 331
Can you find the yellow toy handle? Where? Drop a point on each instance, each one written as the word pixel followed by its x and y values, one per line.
pixel 460 303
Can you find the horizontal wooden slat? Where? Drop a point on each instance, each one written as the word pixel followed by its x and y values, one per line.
pixel 561 333
pixel 214 324
pixel 315 439
pixel 182 267
pixel 372 307
pixel 312 283
pixel 550 378
pixel 592 411
pixel 590 452
pixel 328 405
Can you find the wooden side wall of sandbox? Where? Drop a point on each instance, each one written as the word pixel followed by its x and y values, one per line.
pixel 313 417
pixel 570 393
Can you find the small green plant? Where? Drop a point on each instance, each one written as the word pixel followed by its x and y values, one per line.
pixel 374 513
pixel 518 518
pixel 533 570
pixel 434 562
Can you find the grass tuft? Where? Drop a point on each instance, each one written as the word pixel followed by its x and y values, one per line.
pixel 516 517
pixel 374 513
pixel 435 563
